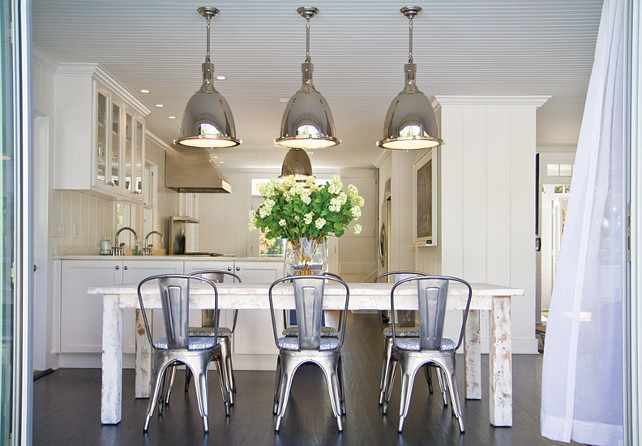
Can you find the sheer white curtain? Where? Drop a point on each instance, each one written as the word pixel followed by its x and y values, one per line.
pixel 582 375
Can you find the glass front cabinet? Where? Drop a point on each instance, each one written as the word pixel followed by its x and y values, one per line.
pixel 100 134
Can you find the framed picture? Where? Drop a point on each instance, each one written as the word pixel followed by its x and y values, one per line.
pixel 425 195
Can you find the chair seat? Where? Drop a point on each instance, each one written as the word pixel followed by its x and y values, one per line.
pixel 412 344
pixel 402 332
pixel 292 343
pixel 223 332
pixel 326 332
pixel 195 343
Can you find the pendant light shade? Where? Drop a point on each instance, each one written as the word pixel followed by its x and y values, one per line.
pixel 411 122
pixel 307 121
pixel 207 120
pixel 297 163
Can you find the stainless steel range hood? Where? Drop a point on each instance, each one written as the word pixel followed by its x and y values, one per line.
pixel 190 169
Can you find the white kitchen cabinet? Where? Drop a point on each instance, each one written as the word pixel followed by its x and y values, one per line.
pixel 253 334
pixel 99 134
pixel 81 313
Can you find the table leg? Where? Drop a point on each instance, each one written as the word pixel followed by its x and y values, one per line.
pixel 473 356
pixel 112 361
pixel 500 365
pixel 143 356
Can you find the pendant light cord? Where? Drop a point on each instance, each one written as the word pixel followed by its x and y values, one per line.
pixel 207 56
pixel 307 39
pixel 410 40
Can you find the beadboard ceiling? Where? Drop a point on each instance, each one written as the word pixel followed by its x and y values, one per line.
pixel 461 47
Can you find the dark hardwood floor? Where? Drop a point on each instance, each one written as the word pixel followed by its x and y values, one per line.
pixel 67 408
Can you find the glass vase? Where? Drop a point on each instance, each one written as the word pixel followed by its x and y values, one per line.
pixel 305 257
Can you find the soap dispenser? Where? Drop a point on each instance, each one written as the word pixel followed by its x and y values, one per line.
pixel 105 246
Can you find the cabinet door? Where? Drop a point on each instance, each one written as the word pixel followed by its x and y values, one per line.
pixel 115 157
pixel 134 272
pixel 81 313
pixel 139 157
pixel 102 112
pixel 254 327
pixel 128 161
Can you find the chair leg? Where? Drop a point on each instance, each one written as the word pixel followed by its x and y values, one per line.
pixel 428 378
pixel 341 386
pixel 409 370
pixel 451 381
pixel 158 382
pixel 277 386
pixel 391 381
pixel 170 382
pixel 188 378
pixel 226 352
pixel 385 369
pixel 222 380
pixel 333 390
pixel 200 384
pixel 442 386
pixel 284 396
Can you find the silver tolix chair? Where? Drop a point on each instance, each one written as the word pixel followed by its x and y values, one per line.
pixel 430 347
pixel 406 327
pixel 177 346
pixel 309 346
pixel 224 335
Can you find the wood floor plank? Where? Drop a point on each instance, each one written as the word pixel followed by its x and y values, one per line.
pixel 67 407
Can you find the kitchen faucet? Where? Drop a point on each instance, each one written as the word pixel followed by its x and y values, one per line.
pixel 118 249
pixel 147 250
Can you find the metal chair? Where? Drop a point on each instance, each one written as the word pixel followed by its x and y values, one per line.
pixel 178 347
pixel 308 346
pixel 406 328
pixel 430 347
pixel 224 335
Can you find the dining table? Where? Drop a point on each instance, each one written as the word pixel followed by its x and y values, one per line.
pixel 494 299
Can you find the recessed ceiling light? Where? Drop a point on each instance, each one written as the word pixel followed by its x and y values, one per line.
pixel 221 78
pixel 220 162
pixel 171 117
pixel 284 100
pixel 160 105
pixel 214 156
pixel 144 91
pixel 310 153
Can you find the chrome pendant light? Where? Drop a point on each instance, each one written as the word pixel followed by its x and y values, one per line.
pixel 411 122
pixel 307 121
pixel 208 120
pixel 296 163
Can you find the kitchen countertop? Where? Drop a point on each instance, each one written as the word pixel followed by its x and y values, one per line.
pixel 166 257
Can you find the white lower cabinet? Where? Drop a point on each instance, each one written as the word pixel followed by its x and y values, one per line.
pixel 81 313
pixel 253 334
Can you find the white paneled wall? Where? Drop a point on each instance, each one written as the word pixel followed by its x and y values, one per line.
pixel 488 198
pixel 80 220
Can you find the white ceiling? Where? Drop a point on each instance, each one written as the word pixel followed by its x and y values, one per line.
pixel 461 47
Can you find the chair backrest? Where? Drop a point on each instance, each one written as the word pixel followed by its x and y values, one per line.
pixel 404 318
pixel 308 302
pixel 432 294
pixel 216 275
pixel 174 295
pixel 399 275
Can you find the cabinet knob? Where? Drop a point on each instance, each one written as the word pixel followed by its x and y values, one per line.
pixel 125 268
pixel 238 268
pixel 117 267
pixel 229 268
